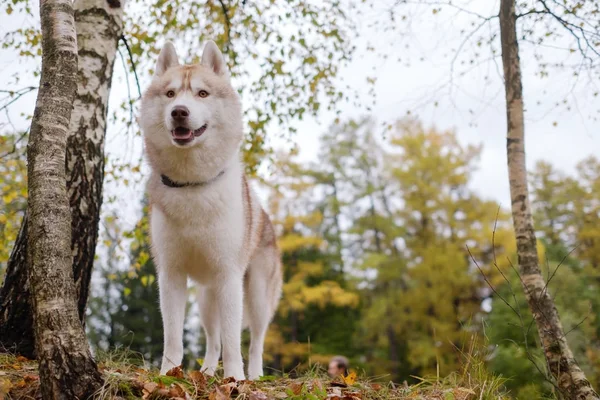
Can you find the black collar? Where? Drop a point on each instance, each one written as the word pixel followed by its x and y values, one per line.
pixel 171 183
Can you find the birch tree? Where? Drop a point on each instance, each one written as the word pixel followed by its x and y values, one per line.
pixel 99 25
pixel 570 379
pixel 67 370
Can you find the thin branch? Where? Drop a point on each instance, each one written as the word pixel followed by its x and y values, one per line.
pixel 462 44
pixel 488 282
pixel 532 12
pixel 549 378
pixel 128 89
pixel 446 4
pixel 16 95
pixel 137 80
pixel 14 149
pixel 227 25
pixel 556 270
pixel 572 28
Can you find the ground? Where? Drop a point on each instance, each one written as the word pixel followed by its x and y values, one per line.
pixel 19 380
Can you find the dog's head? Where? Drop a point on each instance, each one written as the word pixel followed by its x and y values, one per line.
pixel 191 106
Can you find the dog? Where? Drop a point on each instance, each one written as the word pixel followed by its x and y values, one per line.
pixel 206 222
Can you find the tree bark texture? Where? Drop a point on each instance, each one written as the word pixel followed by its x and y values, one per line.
pixel 67 369
pixel 570 379
pixel 99 25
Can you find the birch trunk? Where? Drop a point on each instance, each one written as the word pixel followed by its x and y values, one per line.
pixel 99 25
pixel 67 370
pixel 570 379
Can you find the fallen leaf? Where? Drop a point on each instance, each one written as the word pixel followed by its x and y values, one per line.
pixel 177 390
pixel 317 384
pixel 336 391
pixel 175 372
pixel 229 388
pixel 296 388
pixel 463 393
pixel 149 388
pixel 5 386
pixel 22 359
pixel 244 387
pixel 257 395
pixel 219 394
pixel 198 379
pixel 375 386
pixel 350 379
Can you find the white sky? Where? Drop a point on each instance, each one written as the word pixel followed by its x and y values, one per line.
pixel 416 86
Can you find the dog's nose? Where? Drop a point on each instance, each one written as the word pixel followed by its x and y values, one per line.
pixel 180 112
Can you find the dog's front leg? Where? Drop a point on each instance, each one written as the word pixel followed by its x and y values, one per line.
pixel 230 299
pixel 172 286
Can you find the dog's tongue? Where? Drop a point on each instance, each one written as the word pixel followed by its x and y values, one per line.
pixel 182 133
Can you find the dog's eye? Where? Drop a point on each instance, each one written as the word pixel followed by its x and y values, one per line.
pixel 203 93
pixel 170 93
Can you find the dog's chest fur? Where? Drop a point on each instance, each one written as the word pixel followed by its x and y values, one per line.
pixel 202 227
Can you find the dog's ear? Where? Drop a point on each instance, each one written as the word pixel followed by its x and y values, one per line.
pixel 166 59
pixel 213 59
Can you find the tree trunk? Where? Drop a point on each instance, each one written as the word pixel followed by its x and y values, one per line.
pixel 393 351
pixel 99 25
pixel 67 370
pixel 570 380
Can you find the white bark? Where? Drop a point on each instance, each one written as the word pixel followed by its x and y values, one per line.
pixel 99 26
pixel 67 369
pixel 570 379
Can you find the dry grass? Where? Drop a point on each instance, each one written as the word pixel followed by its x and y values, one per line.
pixel 126 380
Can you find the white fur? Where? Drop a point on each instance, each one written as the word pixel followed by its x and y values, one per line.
pixel 202 232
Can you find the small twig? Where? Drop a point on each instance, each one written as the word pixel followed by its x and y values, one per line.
pixel 531 12
pixel 578 324
pixel 16 94
pixel 227 26
pixel 516 308
pixel 488 282
pixel 137 80
pixel 128 90
pixel 572 28
pixel 14 149
pixel 555 270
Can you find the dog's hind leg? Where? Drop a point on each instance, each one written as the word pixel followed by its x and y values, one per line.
pixel 209 315
pixel 259 308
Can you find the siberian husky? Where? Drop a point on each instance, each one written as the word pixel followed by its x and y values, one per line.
pixel 206 222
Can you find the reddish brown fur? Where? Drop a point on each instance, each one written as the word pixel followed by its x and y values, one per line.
pixel 214 85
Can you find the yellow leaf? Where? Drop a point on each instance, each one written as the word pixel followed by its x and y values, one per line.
pixel 350 379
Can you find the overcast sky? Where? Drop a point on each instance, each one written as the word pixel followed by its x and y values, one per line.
pixel 414 79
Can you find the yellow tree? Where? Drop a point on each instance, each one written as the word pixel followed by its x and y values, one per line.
pixel 587 209
pixel 433 282
pixel 13 193
pixel 312 289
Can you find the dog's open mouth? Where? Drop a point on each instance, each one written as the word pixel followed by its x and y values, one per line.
pixel 183 135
